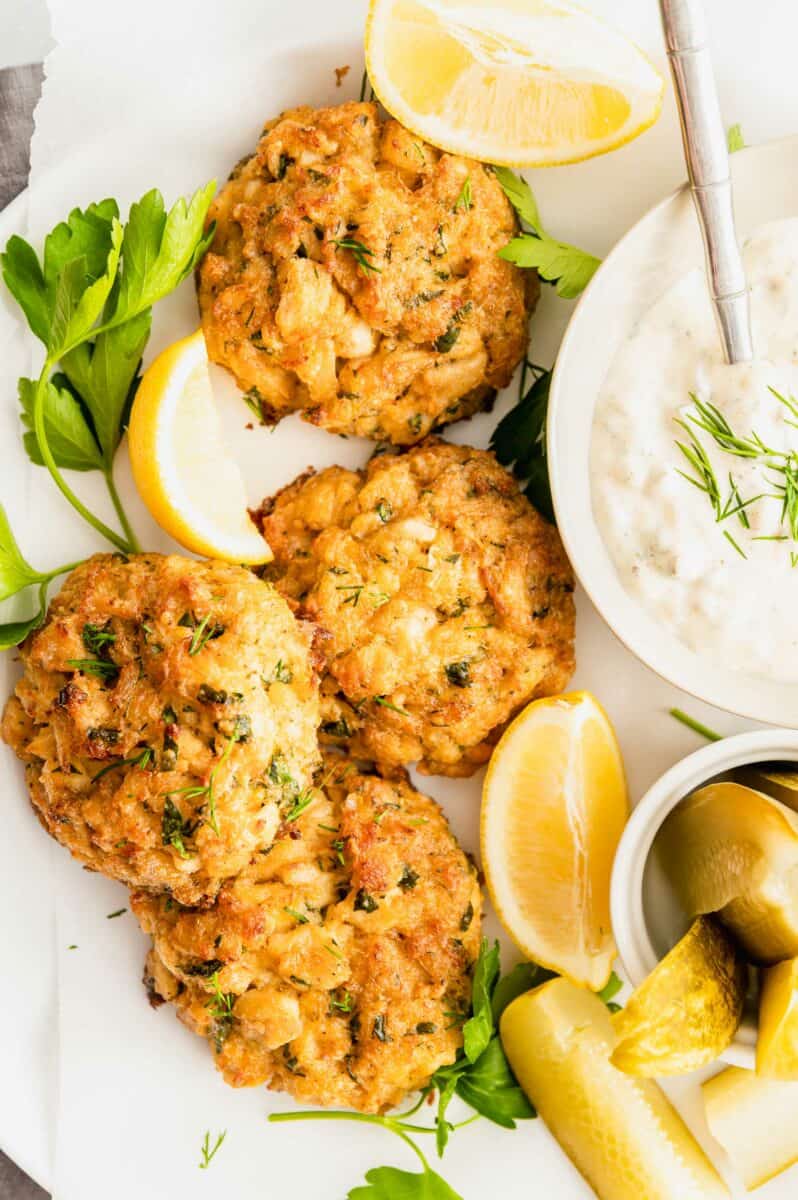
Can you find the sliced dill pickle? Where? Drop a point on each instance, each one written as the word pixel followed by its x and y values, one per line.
pixel 686 1013
pixel 732 850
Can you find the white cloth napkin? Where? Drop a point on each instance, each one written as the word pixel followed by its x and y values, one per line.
pixel 170 92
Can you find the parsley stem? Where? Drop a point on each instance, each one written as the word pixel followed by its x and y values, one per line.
pixel 41 437
pixel 46 576
pixel 389 1123
pixel 135 545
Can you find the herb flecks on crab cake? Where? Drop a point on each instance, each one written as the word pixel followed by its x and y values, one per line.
pixel 355 276
pixel 446 598
pixel 337 965
pixel 167 716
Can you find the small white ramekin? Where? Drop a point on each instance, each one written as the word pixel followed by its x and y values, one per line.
pixel 628 897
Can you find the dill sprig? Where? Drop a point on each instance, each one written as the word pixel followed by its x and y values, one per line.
pixel 385 703
pixel 780 466
pixel 697 726
pixel 143 759
pixel 206 631
pixel 361 254
pixel 465 199
pixel 206 791
pixel 207 1151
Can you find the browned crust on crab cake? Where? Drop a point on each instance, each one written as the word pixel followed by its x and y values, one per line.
pixel 353 278
pixel 152 703
pixel 447 600
pixel 335 966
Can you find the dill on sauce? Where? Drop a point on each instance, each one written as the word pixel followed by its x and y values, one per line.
pixel 779 467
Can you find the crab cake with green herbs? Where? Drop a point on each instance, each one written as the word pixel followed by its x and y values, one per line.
pixel 166 716
pixel 337 965
pixel 354 277
pixel 446 598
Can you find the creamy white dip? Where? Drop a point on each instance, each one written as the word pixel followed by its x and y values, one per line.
pixel 660 531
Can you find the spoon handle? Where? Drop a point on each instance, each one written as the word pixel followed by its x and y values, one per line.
pixel 708 168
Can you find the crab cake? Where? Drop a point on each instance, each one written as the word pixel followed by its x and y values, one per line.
pixel 355 277
pixel 446 598
pixel 155 701
pixel 335 965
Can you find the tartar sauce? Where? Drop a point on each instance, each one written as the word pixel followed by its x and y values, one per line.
pixel 735 598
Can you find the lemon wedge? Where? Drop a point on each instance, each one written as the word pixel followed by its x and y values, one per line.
pixel 688 1010
pixel 621 1133
pixel 518 82
pixel 732 850
pixel 188 481
pixel 755 1121
pixel 554 805
pixel 777 1043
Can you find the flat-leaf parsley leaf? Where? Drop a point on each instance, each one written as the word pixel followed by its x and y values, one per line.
pixel 565 266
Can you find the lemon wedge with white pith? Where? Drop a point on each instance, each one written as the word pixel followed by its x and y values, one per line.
pixel 517 82
pixel 554 805
pixel 188 481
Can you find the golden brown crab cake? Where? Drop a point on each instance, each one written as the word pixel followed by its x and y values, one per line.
pixel 446 597
pixel 154 702
pixel 336 965
pixel 354 276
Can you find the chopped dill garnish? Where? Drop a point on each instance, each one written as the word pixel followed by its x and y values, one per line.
pixel 300 803
pixel 355 591
pixel 143 759
pixel 735 544
pixel 383 703
pixel 465 200
pixel 94 666
pixel 207 1151
pixel 205 632
pixel 298 916
pixel 696 726
pixel 361 254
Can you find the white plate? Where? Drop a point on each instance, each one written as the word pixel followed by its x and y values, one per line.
pixel 28 1015
pixel 136 1091
pixel 655 253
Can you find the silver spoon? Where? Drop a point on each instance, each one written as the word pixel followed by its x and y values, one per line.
pixel 707 160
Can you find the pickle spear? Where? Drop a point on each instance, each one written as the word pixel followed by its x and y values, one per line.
pixel 777 1043
pixel 621 1132
pixel 756 1122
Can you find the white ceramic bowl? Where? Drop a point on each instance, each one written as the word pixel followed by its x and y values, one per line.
pixel 646 918
pixel 654 254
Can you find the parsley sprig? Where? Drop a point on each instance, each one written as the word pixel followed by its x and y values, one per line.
pixel 89 300
pixel 558 263
pixel 17 575
pixel 519 439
